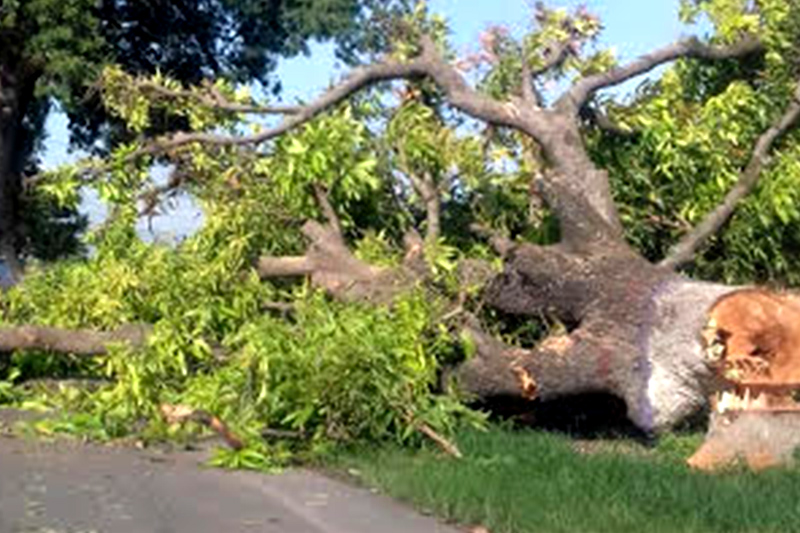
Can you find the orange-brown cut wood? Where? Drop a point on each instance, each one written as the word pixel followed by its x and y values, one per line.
pixel 761 334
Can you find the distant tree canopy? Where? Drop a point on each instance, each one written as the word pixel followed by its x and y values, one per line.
pixel 53 51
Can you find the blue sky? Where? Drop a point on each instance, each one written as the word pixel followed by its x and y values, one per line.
pixel 632 27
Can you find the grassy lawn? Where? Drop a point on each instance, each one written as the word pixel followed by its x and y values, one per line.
pixel 535 482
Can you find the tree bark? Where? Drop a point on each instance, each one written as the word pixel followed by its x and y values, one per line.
pixel 635 334
pixel 16 95
pixel 759 439
pixel 76 342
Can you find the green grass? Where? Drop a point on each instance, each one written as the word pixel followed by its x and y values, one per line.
pixel 533 482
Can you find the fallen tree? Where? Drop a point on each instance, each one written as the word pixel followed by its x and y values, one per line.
pixel 632 325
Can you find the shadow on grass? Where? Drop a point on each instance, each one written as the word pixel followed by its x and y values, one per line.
pixel 583 416
pixel 526 481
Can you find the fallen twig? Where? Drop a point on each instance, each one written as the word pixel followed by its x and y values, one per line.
pixel 270 433
pixel 178 414
pixel 446 446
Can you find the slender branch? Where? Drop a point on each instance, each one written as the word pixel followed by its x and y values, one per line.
pixel 284 308
pixel 684 251
pixel 429 194
pixel 77 342
pixel 603 122
pixel 179 414
pixel 321 194
pixel 356 81
pixel 529 95
pixel 213 98
pixel 446 445
pixel 282 434
pixel 553 58
pixel 584 88
pixel 152 196
pixel 433 207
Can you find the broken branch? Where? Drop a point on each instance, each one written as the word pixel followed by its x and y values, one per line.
pixel 179 414
pixel 447 446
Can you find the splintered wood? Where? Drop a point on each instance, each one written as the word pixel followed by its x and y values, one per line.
pixel 752 342
pixel 527 383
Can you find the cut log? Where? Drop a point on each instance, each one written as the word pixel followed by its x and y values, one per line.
pixel 751 343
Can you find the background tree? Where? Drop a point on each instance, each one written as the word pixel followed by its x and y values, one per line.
pixel 54 51
pixel 367 259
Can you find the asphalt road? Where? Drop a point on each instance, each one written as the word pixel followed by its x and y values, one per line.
pixel 72 488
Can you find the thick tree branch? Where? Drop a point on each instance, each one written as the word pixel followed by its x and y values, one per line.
pixel 558 365
pixel 539 124
pixel 692 47
pixel 684 251
pixel 429 63
pixel 77 342
pixel 332 267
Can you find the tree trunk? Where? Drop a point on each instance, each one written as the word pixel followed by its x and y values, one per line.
pixel 16 94
pixel 635 332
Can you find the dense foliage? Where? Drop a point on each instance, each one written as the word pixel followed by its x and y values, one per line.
pixel 223 339
pixel 695 130
pixel 281 355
